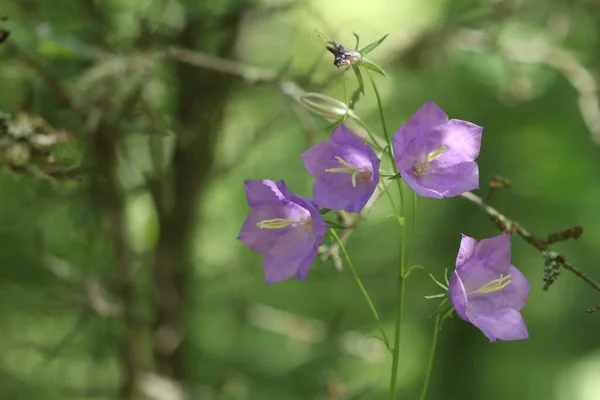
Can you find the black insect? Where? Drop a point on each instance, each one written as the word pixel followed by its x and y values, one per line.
pixel 342 56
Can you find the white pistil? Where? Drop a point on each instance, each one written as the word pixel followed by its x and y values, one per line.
pixel 280 223
pixel 275 223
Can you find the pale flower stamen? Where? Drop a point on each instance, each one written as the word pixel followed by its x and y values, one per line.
pixel 347 169
pixel 494 285
pixel 420 168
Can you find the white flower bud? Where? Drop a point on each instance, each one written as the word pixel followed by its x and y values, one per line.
pixel 325 106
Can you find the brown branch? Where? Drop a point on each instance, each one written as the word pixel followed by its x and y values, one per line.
pixel 59 90
pixel 572 233
pixel 496 183
pixel 249 73
pixel 593 309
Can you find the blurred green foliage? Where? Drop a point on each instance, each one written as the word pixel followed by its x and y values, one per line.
pixel 526 71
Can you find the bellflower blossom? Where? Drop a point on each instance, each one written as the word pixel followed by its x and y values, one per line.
pixel 346 170
pixel 285 228
pixel 436 156
pixel 487 291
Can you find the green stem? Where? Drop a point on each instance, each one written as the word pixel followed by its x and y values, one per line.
pixel 401 280
pixel 392 203
pixel 374 139
pixel 362 288
pixel 380 106
pixel 436 330
pixel 400 306
pixel 413 230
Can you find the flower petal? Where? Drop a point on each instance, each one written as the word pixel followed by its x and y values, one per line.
pixel 257 239
pixel 319 158
pixel 466 250
pixel 258 191
pixel 453 180
pixel 417 149
pixel 458 296
pixel 352 149
pixel 419 136
pixel 305 265
pixel 288 253
pixel 502 323
pixel 413 182
pixel 490 260
pixel 334 193
pixel 266 201
pixel 494 253
pixel 336 190
pixel 463 142
pixel 427 118
pixel 515 294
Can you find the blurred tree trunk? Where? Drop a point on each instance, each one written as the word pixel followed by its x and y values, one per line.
pixel 201 99
pixel 108 197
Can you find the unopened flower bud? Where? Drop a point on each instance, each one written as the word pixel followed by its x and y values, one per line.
pixel 325 106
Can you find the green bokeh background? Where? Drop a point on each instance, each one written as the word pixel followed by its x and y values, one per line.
pixel 295 340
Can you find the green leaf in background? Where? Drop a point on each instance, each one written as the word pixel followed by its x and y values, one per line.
pixel 370 47
pixel 365 62
pixel 359 78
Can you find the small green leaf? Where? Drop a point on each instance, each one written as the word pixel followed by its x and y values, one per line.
pixel 386 344
pixel 359 78
pixel 436 296
pixel 411 269
pixel 440 284
pixel 398 218
pixel 326 39
pixel 383 151
pixel 370 47
pixel 334 125
pixel 357 40
pixel 442 308
pixel 324 211
pixel 372 66
pixel 445 316
pixel 332 224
